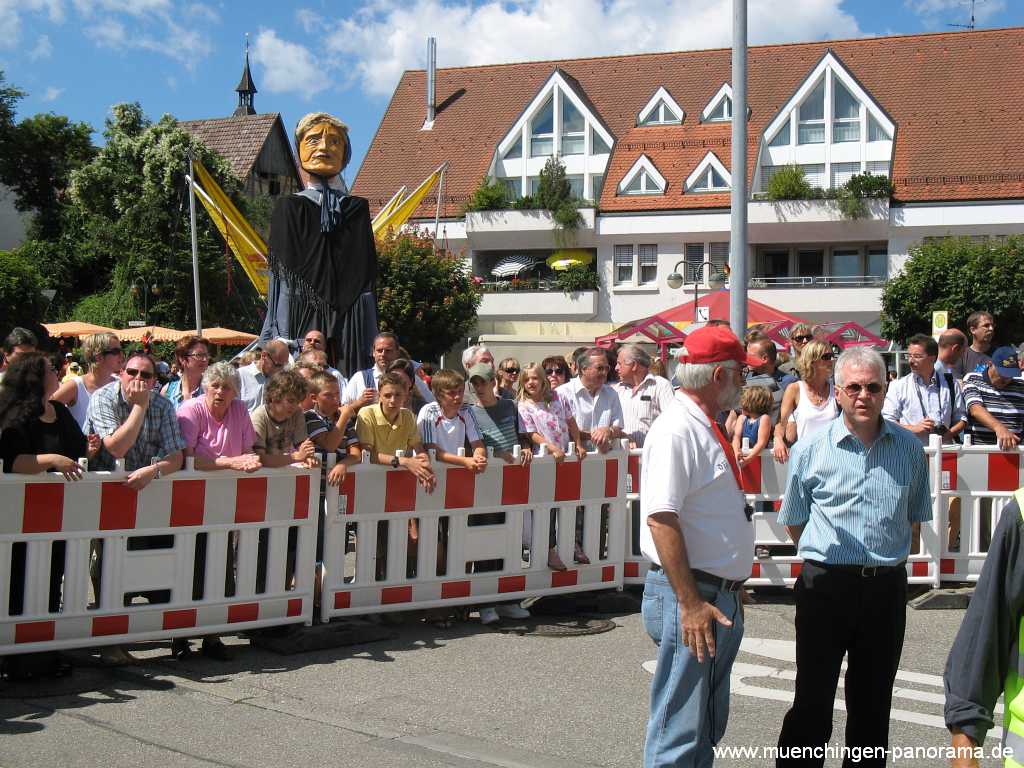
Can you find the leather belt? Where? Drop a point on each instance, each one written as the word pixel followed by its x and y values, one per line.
pixel 864 571
pixel 703 577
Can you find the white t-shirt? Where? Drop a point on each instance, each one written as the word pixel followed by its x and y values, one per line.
pixel 685 471
pixel 447 434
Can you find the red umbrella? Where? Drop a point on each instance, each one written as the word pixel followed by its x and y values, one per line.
pixel 718 304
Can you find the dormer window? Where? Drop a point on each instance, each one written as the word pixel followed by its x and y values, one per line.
pixel 845 114
pixel 542 130
pixel 709 176
pixel 662 109
pixel 598 146
pixel 875 131
pixel 781 137
pixel 642 179
pixel 722 112
pixel 719 109
pixel 812 117
pixel 516 150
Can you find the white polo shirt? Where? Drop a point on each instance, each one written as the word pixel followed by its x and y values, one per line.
pixel 591 412
pixel 642 404
pixel 685 471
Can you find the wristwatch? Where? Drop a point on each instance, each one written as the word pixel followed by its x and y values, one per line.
pixel 395 462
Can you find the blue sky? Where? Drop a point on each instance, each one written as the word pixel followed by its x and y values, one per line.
pixel 184 57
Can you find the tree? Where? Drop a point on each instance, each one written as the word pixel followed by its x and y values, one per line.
pixel 961 276
pixel 44 151
pixel 21 300
pixel 9 98
pixel 425 298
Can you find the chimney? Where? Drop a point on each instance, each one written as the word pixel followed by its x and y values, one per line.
pixel 431 82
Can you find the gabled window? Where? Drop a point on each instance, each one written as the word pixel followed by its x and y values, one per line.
pixel 542 130
pixel 573 129
pixel 709 176
pixel 812 116
pixel 781 137
pixel 516 150
pixel 875 131
pixel 845 114
pixel 642 179
pixel 598 146
pixel 662 109
pixel 719 109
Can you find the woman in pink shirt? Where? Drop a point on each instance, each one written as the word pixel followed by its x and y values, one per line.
pixel 219 434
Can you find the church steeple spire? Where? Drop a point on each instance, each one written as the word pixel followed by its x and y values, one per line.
pixel 246 88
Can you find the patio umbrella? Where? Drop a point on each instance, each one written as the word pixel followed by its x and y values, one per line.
pixel 155 332
pixel 75 328
pixel 569 257
pixel 510 266
pixel 228 336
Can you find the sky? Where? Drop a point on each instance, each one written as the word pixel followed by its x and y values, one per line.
pixel 183 57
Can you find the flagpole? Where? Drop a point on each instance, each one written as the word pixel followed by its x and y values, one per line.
pixel 195 246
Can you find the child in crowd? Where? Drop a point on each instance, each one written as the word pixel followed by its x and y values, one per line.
pixel 447 425
pixel 497 420
pixel 280 426
pixel 306 371
pixel 386 427
pixel 331 426
pixel 754 423
pixel 550 423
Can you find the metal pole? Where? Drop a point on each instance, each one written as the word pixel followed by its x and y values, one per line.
pixel 195 245
pixel 738 236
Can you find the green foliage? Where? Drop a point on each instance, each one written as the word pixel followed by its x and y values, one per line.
pixel 579 277
pixel 524 203
pixel 489 195
pixel 425 297
pixel 21 302
pixel 850 205
pixel 961 276
pixel 789 183
pixel 866 185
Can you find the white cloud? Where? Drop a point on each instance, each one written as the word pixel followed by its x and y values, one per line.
pixel 943 12
pixel 288 66
pixel 11 12
pixel 52 93
pixel 43 49
pixel 385 38
pixel 159 33
pixel 137 8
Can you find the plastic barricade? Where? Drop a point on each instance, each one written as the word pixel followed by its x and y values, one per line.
pixel 981 481
pixel 80 567
pixel 470 545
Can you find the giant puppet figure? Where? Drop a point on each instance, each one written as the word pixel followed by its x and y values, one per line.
pixel 323 263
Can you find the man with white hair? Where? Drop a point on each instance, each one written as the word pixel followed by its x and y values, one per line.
pixel 701 544
pixel 593 403
pixel 471 356
pixel 856 490
pixel 642 395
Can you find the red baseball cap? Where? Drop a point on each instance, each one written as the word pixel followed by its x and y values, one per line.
pixel 716 344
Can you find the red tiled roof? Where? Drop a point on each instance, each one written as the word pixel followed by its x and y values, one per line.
pixel 237 139
pixel 955 98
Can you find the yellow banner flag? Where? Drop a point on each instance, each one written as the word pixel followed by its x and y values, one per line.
pixel 401 213
pixel 243 240
pixel 390 205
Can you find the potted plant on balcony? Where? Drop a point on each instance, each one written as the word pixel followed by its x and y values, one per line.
pixel 554 194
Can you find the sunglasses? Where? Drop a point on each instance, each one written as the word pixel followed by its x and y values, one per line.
pixel 511 371
pixel 198 355
pixel 273 362
pixel 853 390
pixel 554 372
pixel 116 351
pixel 144 375
pixel 803 338
pixel 314 341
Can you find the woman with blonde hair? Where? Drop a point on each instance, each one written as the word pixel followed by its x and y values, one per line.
pixel 810 403
pixel 102 354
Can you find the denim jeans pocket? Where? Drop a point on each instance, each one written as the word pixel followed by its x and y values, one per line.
pixel 652 610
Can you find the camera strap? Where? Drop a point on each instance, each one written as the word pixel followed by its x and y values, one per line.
pixel 938 388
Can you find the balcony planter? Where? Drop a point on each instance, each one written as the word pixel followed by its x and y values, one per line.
pixel 523 229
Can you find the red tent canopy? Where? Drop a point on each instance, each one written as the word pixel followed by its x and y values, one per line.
pixel 718 304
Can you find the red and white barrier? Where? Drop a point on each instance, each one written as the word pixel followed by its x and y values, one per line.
pixel 40 514
pixel 356 583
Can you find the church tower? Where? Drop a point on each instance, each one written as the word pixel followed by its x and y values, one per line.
pixel 246 88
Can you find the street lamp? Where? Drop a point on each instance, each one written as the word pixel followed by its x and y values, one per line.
pixel 715 281
pixel 139 290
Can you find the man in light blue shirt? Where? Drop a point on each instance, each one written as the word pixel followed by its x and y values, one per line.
pixel 926 401
pixel 854 493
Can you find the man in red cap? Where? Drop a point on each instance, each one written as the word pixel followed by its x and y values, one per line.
pixel 701 543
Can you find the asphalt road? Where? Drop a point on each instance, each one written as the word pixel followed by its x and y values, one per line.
pixel 467 696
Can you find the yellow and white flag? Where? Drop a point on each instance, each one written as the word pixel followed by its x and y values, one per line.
pixel 401 212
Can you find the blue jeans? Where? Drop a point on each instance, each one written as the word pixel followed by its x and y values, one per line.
pixel 689 701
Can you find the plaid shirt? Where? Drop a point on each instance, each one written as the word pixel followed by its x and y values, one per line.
pixel 158 438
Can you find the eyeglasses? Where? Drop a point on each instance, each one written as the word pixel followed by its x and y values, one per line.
pixel 803 338
pixel 115 351
pixel 854 390
pixel 134 372
pixel 511 371
pixel 827 356
pixel 554 372
pixel 273 362
pixel 917 357
pixel 198 355
pixel 314 341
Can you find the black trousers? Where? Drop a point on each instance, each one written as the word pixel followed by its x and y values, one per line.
pixel 863 618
